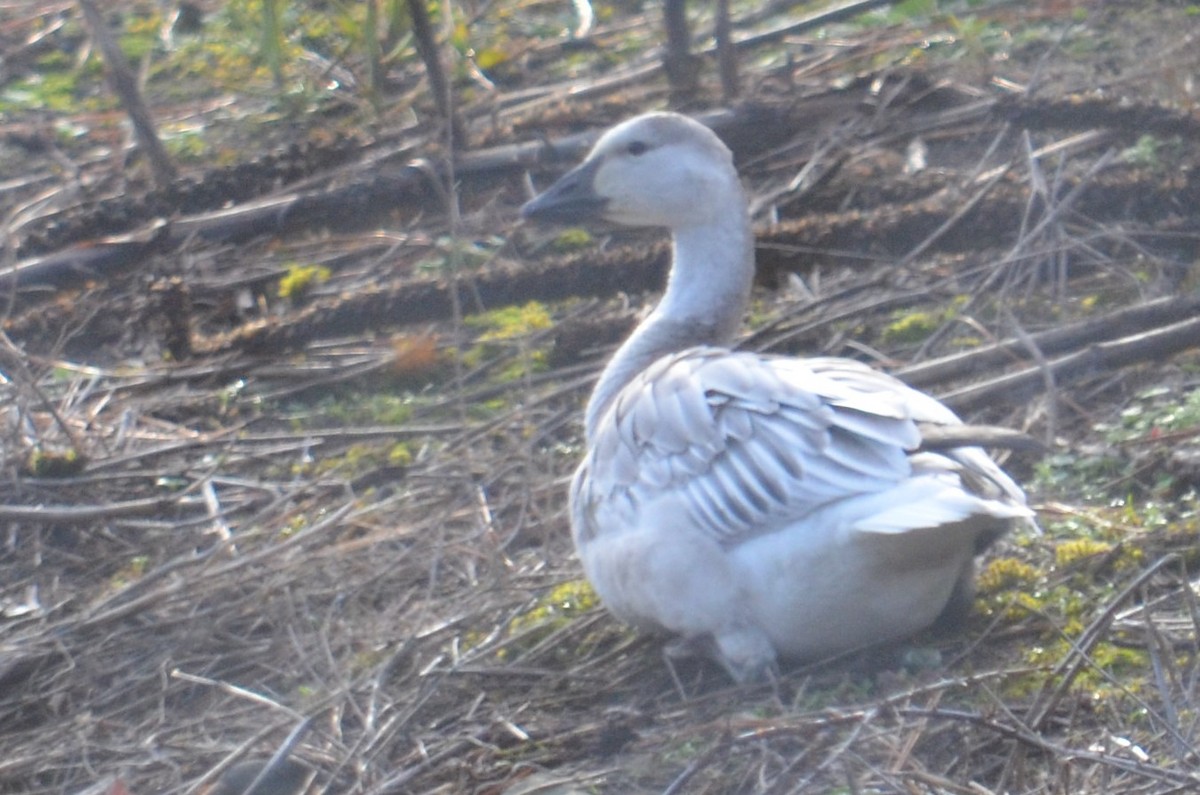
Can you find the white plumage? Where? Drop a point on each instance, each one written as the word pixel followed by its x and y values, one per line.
pixel 756 506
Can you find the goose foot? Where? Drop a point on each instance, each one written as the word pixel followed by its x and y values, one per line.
pixel 745 654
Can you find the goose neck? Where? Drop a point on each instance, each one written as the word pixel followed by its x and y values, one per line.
pixel 707 290
pixel 712 267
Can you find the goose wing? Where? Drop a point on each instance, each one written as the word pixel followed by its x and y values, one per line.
pixel 981 474
pixel 741 443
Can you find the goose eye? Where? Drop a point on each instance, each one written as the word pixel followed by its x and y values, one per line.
pixel 636 148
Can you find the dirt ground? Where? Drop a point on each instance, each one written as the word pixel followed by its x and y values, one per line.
pixel 286 441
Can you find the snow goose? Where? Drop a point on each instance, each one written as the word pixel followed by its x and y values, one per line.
pixel 755 506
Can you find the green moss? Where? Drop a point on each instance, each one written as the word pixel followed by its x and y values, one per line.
pixel 1003 574
pixel 473 356
pixel 1115 672
pixel 293 525
pixel 357 409
pixel 399 455
pixel 534 361
pixel 186 145
pixel 572 240
pixel 511 322
pixel 353 461
pixel 1155 153
pixel 1069 553
pixel 132 572
pixel 455 252
pixel 299 279
pixel 558 607
pixel 366 660
pixel 488 408
pixel 1144 151
pixel 907 9
pixel 51 90
pixel 760 314
pixel 502 331
pixel 909 327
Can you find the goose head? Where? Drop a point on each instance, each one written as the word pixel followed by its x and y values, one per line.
pixel 665 170
pixel 657 169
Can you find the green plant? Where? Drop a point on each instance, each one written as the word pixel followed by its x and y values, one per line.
pixel 1151 151
pixel 141 35
pixel 1126 467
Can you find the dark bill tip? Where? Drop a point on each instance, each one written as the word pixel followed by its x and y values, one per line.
pixel 572 199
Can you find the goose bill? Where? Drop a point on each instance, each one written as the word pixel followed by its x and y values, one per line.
pixel 572 199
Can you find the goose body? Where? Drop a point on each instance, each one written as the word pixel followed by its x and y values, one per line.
pixel 755 506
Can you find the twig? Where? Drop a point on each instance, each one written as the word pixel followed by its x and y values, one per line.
pixel 240 692
pixel 953 220
pixel 439 86
pixel 124 85
pixel 1032 739
pixel 1081 649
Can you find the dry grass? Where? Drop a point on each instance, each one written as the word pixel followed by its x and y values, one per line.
pixel 364 537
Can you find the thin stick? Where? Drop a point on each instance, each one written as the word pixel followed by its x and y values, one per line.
pixel 124 85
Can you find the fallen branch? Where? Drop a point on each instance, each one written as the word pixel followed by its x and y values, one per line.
pixel 1123 322
pixel 79 514
pixel 1021 386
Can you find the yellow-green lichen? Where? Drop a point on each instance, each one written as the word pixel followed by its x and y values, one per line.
pixel 572 239
pixel 1068 553
pixel 511 322
pixel 46 464
pixel 1005 574
pixel 300 279
pixel 558 606
pixel 400 455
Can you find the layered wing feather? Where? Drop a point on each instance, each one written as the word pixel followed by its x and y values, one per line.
pixel 743 443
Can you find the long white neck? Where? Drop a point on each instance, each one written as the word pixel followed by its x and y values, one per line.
pixel 712 270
